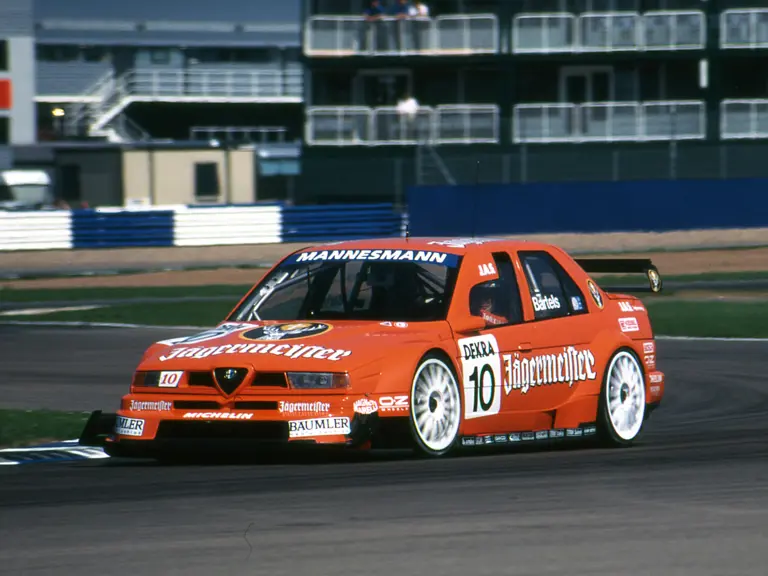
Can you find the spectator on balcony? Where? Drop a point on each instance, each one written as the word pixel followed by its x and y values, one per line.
pixel 402 9
pixel 410 126
pixel 407 31
pixel 370 32
pixel 420 9
pixel 375 11
pixel 420 12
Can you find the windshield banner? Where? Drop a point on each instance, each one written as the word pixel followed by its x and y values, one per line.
pixel 426 256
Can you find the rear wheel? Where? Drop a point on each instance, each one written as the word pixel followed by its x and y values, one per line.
pixel 435 406
pixel 622 399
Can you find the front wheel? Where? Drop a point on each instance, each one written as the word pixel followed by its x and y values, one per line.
pixel 622 399
pixel 435 406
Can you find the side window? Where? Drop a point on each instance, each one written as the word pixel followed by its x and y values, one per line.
pixel 498 301
pixel 553 292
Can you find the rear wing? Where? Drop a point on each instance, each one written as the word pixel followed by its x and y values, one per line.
pixel 623 266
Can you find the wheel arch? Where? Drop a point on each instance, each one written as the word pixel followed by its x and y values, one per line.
pixel 397 377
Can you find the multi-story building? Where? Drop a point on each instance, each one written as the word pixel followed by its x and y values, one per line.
pixel 532 90
pixel 17 85
pixel 173 69
pixel 114 100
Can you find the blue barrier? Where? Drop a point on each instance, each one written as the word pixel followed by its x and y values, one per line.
pixel 92 229
pixel 200 226
pixel 340 222
pixel 635 206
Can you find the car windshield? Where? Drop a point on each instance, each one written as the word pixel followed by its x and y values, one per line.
pixel 393 290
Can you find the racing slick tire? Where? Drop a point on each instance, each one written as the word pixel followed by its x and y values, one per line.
pixel 622 407
pixel 435 406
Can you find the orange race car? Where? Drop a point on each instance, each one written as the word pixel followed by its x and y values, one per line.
pixel 429 343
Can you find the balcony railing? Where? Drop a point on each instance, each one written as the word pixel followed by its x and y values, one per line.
pixel 609 122
pixel 197 85
pixel 354 36
pixel 544 33
pixel 744 28
pixel 674 30
pixel 743 119
pixel 609 32
pixel 240 134
pixel 560 32
pixel 386 125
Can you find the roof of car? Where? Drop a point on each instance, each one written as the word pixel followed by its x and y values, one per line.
pixel 433 244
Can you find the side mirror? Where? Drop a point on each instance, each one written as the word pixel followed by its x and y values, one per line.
pixel 468 325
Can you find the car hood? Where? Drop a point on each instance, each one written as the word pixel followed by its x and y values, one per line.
pixel 290 346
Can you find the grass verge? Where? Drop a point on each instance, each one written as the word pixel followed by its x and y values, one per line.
pixel 672 318
pixel 21 295
pixel 10 294
pixel 639 279
pixel 155 314
pixel 709 319
pixel 29 427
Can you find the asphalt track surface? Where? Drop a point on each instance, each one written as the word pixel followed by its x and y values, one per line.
pixel 691 498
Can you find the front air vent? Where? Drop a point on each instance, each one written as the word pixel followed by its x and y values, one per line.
pixel 276 379
pixel 200 379
pixel 229 379
pixel 230 430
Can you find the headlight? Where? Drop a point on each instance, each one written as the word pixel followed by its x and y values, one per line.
pixel 318 380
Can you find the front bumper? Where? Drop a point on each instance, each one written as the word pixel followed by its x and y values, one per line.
pixel 654 387
pixel 142 433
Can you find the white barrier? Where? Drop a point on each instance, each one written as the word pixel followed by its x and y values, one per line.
pixel 227 226
pixel 36 230
pixel 176 225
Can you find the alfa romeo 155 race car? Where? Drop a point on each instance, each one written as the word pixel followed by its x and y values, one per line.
pixel 431 344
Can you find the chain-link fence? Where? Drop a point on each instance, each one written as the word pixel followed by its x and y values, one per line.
pixel 385 175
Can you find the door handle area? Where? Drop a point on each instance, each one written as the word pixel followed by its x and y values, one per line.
pixel 524 347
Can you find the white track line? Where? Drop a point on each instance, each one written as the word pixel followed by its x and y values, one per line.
pixel 711 339
pixel 154 327
pixel 96 325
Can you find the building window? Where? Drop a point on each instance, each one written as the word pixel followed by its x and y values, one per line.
pixel 5 130
pixel 69 182
pixel 56 53
pixel 160 56
pixel 206 180
pixel 3 54
pixel 95 54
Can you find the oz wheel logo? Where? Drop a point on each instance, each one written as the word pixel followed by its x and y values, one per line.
pixel 393 403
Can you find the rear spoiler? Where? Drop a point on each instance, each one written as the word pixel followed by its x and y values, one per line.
pixel 623 266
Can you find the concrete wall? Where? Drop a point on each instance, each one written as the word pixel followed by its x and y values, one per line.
pixel 168 176
pixel 22 75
